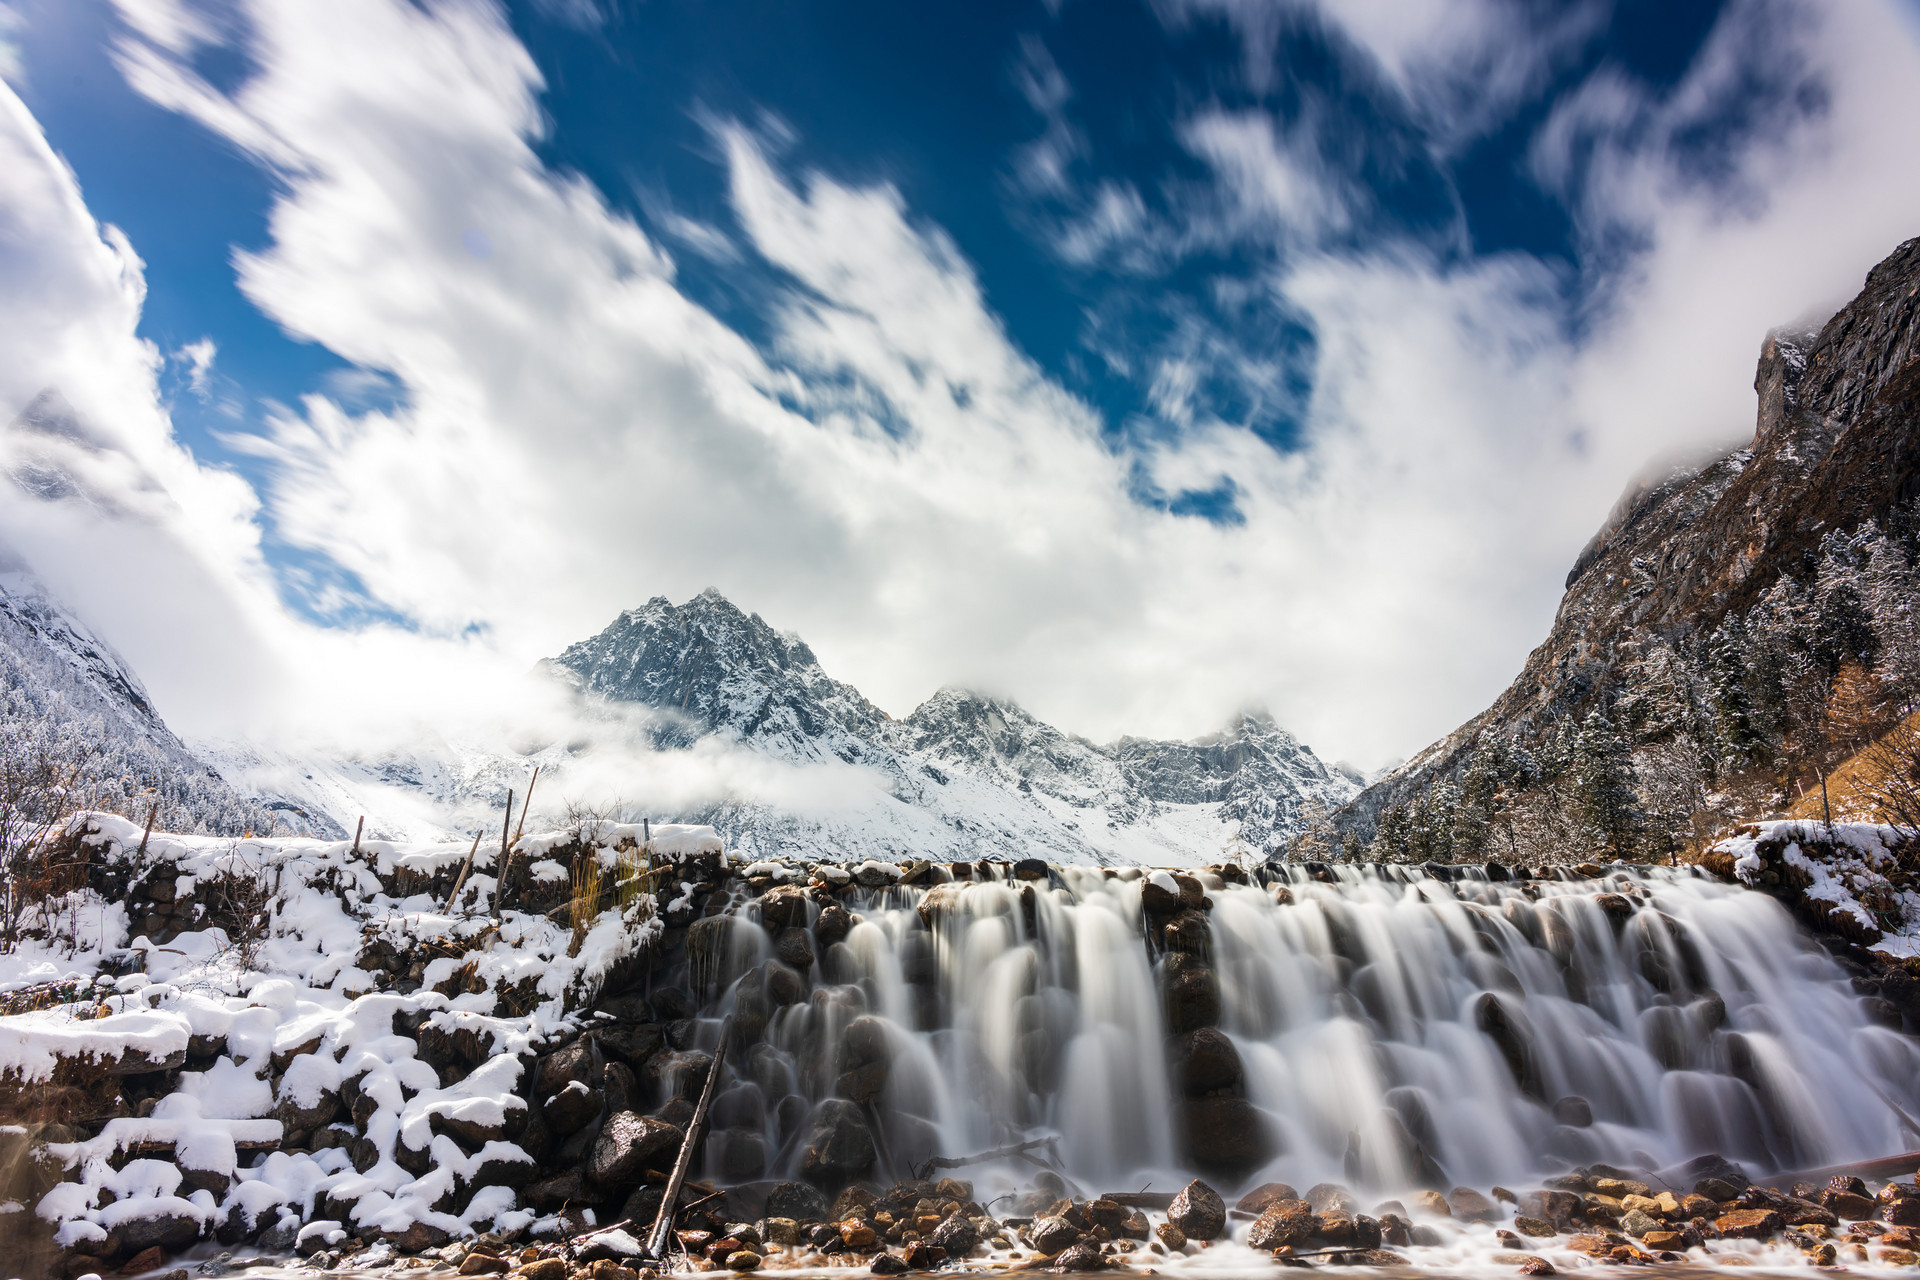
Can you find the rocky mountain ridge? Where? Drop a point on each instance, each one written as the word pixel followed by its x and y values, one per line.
pixel 965 774
pixel 1836 445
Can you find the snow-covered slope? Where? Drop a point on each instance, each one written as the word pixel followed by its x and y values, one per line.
pixel 64 691
pixel 964 776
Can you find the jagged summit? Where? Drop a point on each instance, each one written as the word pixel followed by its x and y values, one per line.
pixel 966 774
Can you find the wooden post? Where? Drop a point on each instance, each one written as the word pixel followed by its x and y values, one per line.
pixel 151 815
pixel 460 881
pixel 663 1221
pixel 358 827
pixel 500 864
pixel 526 802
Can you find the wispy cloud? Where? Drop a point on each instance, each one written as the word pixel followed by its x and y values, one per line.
pixel 889 473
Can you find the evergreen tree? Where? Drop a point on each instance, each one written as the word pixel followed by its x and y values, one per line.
pixel 1603 786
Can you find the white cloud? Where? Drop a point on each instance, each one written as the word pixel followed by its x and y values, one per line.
pixel 892 477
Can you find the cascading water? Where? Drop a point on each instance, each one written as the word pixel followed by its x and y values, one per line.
pixel 1393 1029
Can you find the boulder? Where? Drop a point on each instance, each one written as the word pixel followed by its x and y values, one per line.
pixel 1282 1222
pixel 796 1200
pixel 1226 1136
pixel 573 1064
pixel 1333 1227
pixel 1205 1062
pixel 832 924
pixel 1469 1205
pixel 839 1144
pixel 956 1235
pixel 417 1237
pixel 1030 869
pixel 1573 1111
pixel 1051 1235
pixel 1262 1197
pixel 570 1108
pixel 1331 1197
pixel 1750 1224
pixel 783 908
pixel 170 1231
pixel 1171 1236
pixel 1080 1257
pixel 1198 1211
pixel 1192 999
pixel 794 948
pixel 1507 1027
pixel 630 1144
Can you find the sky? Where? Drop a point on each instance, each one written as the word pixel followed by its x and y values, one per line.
pixel 1142 362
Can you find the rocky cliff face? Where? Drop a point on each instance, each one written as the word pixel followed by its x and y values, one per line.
pixel 965 775
pixel 65 693
pixel 1836 444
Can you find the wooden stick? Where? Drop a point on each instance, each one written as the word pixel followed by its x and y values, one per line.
pixel 358 827
pixel 998 1153
pixel 460 881
pixel 151 815
pixel 500 864
pixel 663 1222
pixel 526 802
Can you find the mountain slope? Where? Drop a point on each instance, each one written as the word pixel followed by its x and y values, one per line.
pixel 963 776
pixel 1734 572
pixel 65 694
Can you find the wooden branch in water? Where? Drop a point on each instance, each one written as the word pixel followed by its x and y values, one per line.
pixel 663 1221
pixel 998 1153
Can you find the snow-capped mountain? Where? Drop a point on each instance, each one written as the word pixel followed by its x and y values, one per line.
pixel 964 775
pixel 65 692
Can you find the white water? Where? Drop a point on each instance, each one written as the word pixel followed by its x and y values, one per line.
pixel 1353 1010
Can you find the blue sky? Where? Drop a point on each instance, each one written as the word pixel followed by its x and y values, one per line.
pixel 1289 350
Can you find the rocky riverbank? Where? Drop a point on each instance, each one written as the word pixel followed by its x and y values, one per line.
pixel 332 1054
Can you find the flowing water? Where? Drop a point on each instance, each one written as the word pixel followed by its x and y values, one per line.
pixel 1690 1016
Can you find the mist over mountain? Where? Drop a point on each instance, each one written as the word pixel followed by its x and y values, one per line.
pixel 964 775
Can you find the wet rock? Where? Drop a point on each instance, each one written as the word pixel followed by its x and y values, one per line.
pixel 1638 1223
pixel 1537 1266
pixel 1080 1257
pixel 839 1144
pixel 1264 1196
pixel 1573 1111
pixel 1507 1027
pixel 1030 869
pixel 566 1111
pixel 1710 1167
pixel 1189 932
pixel 852 1202
pixel 1750 1224
pixel 1224 1136
pixel 1432 1202
pixel 1333 1227
pixel 1051 1235
pixel 170 1231
pixel 1331 1197
pixel 856 1234
pixel 832 924
pixel 784 907
pixel 796 1200
pixel 416 1238
pixel 1198 1211
pixel 887 1265
pixel 1172 1237
pixel 956 1235
pixel 1469 1205
pixel 1539 1228
pixel 630 1144
pixel 1205 1062
pixel 573 1064
pixel 794 948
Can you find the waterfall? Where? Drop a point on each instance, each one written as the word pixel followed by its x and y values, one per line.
pixel 1394 1028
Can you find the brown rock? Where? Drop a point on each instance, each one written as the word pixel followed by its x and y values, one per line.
pixel 543 1269
pixel 856 1234
pixel 1282 1222
pixel 743 1260
pixel 1227 1136
pixel 1171 1236
pixel 1750 1224
pixel 1432 1202
pixel 1334 1227
pixel 1538 1228
pixel 1664 1240
pixel 1264 1196
pixel 152 1258
pixel 1080 1257
pixel 1198 1211
pixel 1537 1267
pixel 480 1264
pixel 1469 1205
pixel 1593 1246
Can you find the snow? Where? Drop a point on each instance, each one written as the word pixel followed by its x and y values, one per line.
pixel 1864 852
pixel 303 994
